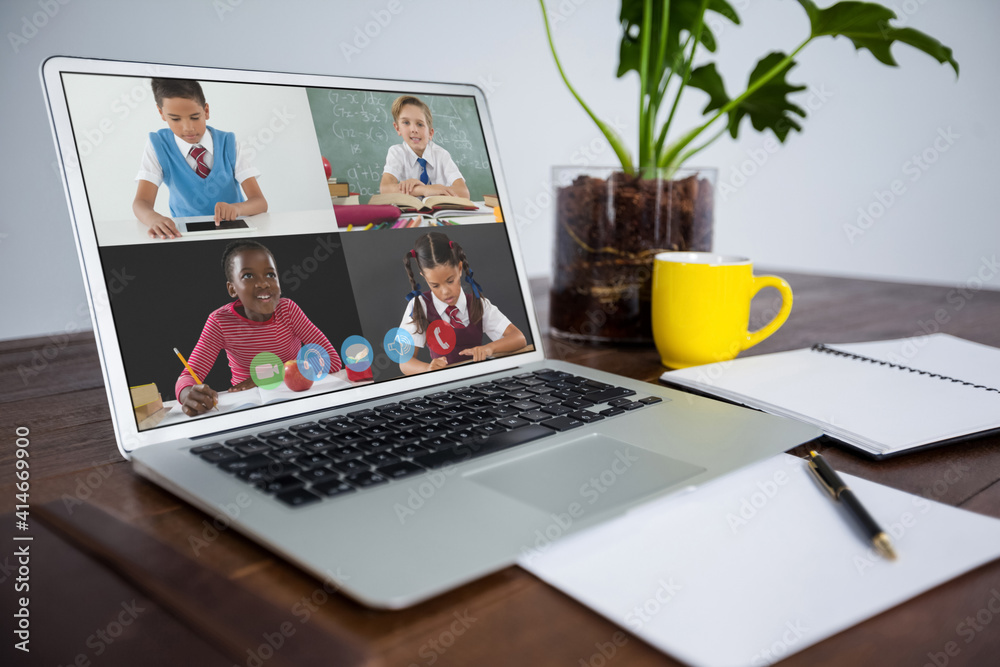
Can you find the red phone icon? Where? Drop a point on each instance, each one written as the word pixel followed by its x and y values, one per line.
pixel 440 337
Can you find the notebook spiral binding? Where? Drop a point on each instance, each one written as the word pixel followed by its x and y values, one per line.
pixel 820 347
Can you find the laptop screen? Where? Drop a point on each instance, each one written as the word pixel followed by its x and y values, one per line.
pixel 361 238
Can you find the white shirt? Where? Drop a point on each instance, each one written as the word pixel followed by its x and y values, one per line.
pixel 150 169
pixel 494 322
pixel 401 162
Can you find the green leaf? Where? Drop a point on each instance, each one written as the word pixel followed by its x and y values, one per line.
pixel 768 107
pixel 684 16
pixel 867 25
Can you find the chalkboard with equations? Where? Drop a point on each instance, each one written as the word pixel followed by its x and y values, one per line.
pixel 354 128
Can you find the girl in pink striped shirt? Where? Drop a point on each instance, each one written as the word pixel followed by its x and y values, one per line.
pixel 260 321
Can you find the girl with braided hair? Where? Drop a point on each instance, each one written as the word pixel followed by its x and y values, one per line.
pixel 443 265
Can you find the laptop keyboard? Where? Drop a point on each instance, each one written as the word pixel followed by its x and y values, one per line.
pixel 341 455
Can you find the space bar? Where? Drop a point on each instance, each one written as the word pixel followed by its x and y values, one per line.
pixel 495 443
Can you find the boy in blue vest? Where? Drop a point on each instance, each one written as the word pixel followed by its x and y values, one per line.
pixel 203 167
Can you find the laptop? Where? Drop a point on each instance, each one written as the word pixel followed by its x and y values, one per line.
pixel 357 458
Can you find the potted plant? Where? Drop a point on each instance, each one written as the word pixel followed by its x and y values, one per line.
pixel 611 222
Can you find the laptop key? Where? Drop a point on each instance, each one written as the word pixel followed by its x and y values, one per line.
pixel 577 403
pixel 347 439
pixel 312 461
pixel 312 433
pixel 284 440
pixel 254 462
pixel 563 423
pixel 255 447
pixel 607 395
pixel 651 400
pixel 299 427
pixel 332 488
pixel 281 484
pixel 298 497
pixel 319 475
pixel 345 453
pixel 351 467
pixel 339 425
pixel 367 478
pixel 501 411
pixel 373 446
pixel 381 459
pixel 586 416
pixel 409 450
pixel 557 410
pixel 219 455
pixel 399 470
pixel 489 429
pixel 273 433
pixel 401 439
pixel 633 405
pixel 534 415
pixel 430 431
pixel 545 399
pixel 611 412
pixel 245 440
pixel 512 422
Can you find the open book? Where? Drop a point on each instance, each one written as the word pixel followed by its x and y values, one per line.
pixel 411 204
pixel 882 397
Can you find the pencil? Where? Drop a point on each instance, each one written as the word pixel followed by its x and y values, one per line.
pixel 190 370
pixel 350 227
pixel 368 226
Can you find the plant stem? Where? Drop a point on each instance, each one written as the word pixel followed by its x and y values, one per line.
pixel 644 101
pixel 684 158
pixel 684 79
pixel 669 159
pixel 613 139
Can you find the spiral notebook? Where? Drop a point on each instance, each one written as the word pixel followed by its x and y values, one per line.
pixel 882 397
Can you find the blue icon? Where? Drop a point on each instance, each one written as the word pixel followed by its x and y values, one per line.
pixel 313 361
pixel 398 344
pixel 356 353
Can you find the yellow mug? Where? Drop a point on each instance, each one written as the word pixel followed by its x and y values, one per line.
pixel 701 307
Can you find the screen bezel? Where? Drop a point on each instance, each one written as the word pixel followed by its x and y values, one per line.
pixel 127 434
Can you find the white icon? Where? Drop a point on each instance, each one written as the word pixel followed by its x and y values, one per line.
pixel 318 360
pixel 265 371
pixel 400 344
pixel 357 352
pixel 437 334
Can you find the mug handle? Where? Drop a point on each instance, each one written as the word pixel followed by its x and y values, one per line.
pixel 759 283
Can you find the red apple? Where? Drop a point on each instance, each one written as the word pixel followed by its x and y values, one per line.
pixel 327 168
pixel 294 379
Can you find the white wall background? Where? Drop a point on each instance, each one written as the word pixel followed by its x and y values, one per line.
pixel 866 123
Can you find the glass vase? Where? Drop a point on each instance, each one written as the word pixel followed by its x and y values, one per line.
pixel 609 226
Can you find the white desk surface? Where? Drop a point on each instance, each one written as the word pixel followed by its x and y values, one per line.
pixel 283 223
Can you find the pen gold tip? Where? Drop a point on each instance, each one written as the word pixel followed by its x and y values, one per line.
pixel 813 453
pixel 884 546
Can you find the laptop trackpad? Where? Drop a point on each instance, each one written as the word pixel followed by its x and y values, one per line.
pixel 596 472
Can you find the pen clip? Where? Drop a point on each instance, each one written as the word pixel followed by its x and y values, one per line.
pixel 825 484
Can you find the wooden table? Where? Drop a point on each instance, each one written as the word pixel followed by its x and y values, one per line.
pixel 122 573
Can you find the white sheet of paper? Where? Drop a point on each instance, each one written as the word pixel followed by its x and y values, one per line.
pixel 766 554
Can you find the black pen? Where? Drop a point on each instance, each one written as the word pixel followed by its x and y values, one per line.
pixel 840 491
